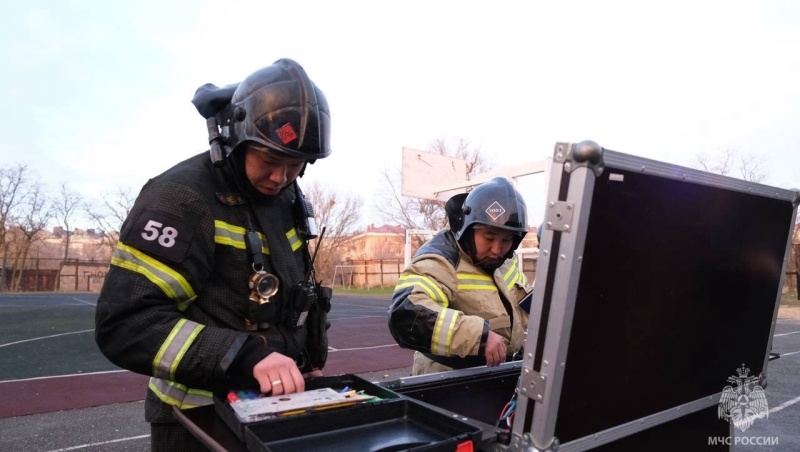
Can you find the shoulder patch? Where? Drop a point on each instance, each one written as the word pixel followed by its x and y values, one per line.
pixel 230 199
pixel 161 236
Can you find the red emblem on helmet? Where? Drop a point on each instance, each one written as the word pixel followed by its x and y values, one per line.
pixel 286 133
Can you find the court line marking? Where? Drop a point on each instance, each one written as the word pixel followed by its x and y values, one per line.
pixel 360 348
pixel 785 334
pixel 361 305
pixel 44 337
pixel 83 446
pixel 786 404
pixel 84 301
pixel 66 376
pixel 361 317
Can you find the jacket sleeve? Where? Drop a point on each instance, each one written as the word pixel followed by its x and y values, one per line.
pixel 164 255
pixel 420 317
pixel 519 287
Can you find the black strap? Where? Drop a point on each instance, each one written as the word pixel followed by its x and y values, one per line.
pixel 254 245
pixel 298 217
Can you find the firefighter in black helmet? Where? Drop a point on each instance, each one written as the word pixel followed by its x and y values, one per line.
pixel 211 286
pixel 457 303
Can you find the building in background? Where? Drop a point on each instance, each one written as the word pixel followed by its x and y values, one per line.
pixel 377 256
pixel 39 265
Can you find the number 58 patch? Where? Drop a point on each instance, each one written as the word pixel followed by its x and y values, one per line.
pixel 161 235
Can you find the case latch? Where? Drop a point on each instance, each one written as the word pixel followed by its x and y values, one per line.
pixel 558 216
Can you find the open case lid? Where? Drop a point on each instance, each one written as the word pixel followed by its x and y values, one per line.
pixel 655 284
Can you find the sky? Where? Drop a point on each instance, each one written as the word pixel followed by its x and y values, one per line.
pixel 98 94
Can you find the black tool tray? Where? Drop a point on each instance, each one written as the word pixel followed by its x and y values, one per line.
pixel 479 393
pixel 396 425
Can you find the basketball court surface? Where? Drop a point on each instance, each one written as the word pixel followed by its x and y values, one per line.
pixel 60 394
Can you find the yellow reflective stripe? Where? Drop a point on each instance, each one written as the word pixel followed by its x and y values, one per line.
pixel 171 282
pixel 475 281
pixel 178 395
pixel 513 274
pixel 442 337
pixel 174 348
pixel 423 282
pixel 232 235
pixel 294 239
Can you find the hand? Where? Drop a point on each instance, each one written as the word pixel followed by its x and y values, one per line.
pixel 313 374
pixel 495 350
pixel 278 374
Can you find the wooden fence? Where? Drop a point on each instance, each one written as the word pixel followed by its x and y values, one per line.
pixel 88 276
pixel 42 275
pixel 371 273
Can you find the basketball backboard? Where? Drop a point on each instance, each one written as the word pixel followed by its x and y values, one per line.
pixel 423 172
pixel 432 176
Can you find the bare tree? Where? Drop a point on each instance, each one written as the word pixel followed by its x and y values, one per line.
pixel 32 222
pixel 65 206
pixel 339 216
pixel 417 213
pixel 728 162
pixel 110 212
pixel 14 189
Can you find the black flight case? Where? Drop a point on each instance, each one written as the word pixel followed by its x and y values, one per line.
pixel 656 296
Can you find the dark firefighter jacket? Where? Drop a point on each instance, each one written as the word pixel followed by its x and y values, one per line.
pixel 444 305
pixel 175 299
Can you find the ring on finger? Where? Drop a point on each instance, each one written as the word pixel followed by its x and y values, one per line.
pixel 277 382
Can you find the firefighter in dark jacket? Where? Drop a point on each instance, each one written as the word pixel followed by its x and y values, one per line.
pixel 458 302
pixel 211 286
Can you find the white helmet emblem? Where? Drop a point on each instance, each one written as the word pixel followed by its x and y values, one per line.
pixel 495 210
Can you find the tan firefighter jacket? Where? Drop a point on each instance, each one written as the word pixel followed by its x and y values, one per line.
pixel 444 305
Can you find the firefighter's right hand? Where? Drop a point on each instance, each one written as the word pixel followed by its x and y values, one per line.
pixel 278 374
pixel 495 350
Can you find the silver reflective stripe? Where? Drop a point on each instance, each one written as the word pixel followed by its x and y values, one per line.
pixel 178 395
pixel 294 239
pixel 426 284
pixel 231 235
pixel 171 282
pixel 443 332
pixel 476 281
pixel 172 350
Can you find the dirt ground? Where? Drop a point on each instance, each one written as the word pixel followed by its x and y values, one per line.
pixel 792 312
